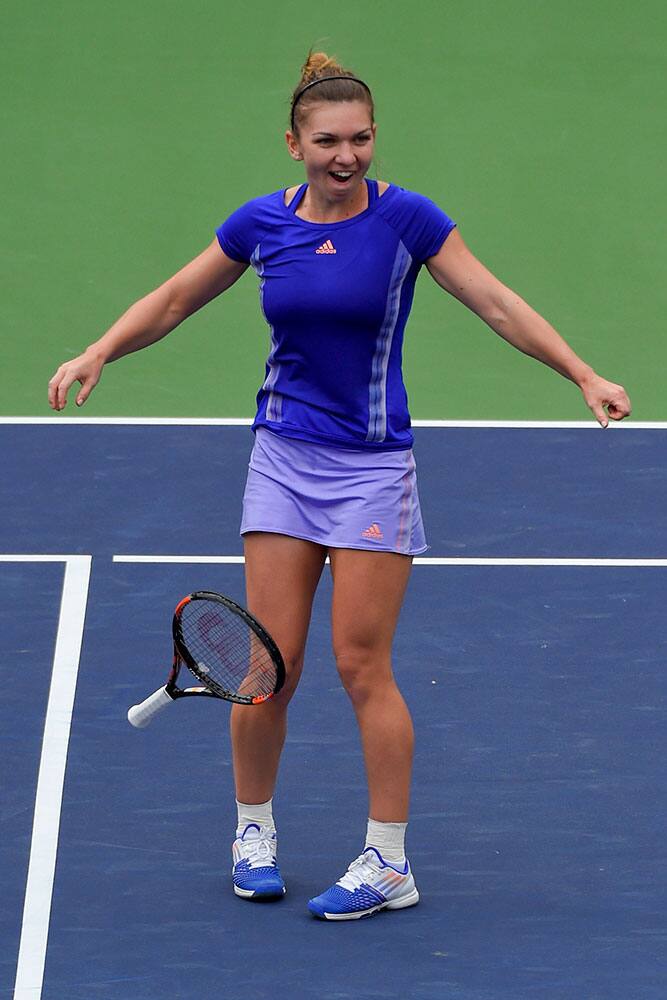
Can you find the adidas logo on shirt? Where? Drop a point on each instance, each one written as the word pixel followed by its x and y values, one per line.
pixel 327 247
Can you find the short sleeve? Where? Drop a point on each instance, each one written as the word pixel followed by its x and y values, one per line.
pixel 422 225
pixel 237 235
pixel 428 229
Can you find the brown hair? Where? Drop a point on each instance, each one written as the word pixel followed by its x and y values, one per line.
pixel 344 87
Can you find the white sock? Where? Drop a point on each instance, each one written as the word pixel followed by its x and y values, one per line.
pixel 388 838
pixel 261 814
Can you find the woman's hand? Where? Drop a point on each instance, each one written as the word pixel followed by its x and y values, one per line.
pixel 85 369
pixel 607 400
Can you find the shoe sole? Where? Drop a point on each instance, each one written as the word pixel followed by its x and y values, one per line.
pixel 253 894
pixel 411 899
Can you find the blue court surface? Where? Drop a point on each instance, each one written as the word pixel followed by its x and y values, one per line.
pixel 536 677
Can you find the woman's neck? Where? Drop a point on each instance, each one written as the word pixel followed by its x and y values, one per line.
pixel 316 207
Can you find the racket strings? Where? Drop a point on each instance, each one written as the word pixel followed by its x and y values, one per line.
pixel 227 653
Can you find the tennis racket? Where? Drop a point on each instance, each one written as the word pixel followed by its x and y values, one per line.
pixel 226 649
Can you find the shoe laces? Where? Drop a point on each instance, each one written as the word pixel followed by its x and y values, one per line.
pixel 259 850
pixel 363 869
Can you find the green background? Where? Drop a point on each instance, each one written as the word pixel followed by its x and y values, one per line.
pixel 130 130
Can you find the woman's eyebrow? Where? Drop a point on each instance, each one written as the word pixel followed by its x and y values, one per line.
pixel 332 135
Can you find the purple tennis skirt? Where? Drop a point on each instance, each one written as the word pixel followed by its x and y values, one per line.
pixel 338 497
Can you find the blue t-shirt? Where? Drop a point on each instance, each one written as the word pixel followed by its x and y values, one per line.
pixel 336 296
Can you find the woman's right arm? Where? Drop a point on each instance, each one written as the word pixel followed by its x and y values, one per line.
pixel 148 320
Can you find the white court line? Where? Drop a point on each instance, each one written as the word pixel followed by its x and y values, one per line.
pixel 4 557
pixel 247 421
pixel 418 561
pixel 48 799
pixel 178 559
pixel 455 561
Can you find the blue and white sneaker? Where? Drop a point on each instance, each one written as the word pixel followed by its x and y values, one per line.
pixel 255 872
pixel 370 884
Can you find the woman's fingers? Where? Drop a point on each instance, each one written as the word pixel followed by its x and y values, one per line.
pixel 58 387
pixel 607 400
pixel 72 371
pixel 84 392
pixel 88 383
pixel 619 408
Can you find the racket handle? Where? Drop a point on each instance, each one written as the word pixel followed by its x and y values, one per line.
pixel 140 715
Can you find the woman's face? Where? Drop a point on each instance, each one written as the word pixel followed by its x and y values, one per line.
pixel 336 142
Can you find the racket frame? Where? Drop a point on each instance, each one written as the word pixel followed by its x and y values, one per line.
pixel 183 655
pixel 141 715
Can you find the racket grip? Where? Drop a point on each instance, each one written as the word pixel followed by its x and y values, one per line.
pixel 140 715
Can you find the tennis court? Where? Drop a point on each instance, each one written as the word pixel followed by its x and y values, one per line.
pixel 532 643
pixel 535 678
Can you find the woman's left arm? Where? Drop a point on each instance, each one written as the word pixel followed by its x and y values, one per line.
pixel 459 272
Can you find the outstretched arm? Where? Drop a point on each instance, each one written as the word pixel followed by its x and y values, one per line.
pixel 148 320
pixel 459 272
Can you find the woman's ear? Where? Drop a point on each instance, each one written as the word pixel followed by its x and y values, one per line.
pixel 293 146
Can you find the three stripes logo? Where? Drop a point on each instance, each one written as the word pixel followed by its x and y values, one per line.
pixel 374 533
pixel 327 247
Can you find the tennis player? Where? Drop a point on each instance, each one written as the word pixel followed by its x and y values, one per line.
pixel 332 470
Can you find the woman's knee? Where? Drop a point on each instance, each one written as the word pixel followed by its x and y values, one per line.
pixel 293 670
pixel 362 670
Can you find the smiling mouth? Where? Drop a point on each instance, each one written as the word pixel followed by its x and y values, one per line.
pixel 341 176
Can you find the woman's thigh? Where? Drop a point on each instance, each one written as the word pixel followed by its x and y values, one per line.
pixel 281 575
pixel 368 591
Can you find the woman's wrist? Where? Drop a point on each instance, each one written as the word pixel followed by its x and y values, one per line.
pixel 97 353
pixel 585 377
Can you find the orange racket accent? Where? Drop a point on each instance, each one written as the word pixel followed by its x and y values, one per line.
pixel 181 604
pixel 261 697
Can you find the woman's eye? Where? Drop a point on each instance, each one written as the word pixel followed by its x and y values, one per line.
pixel 360 140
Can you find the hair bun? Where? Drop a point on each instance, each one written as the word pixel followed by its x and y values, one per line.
pixel 316 64
pixel 338 84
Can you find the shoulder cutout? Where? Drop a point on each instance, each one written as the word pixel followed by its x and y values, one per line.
pixel 290 192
